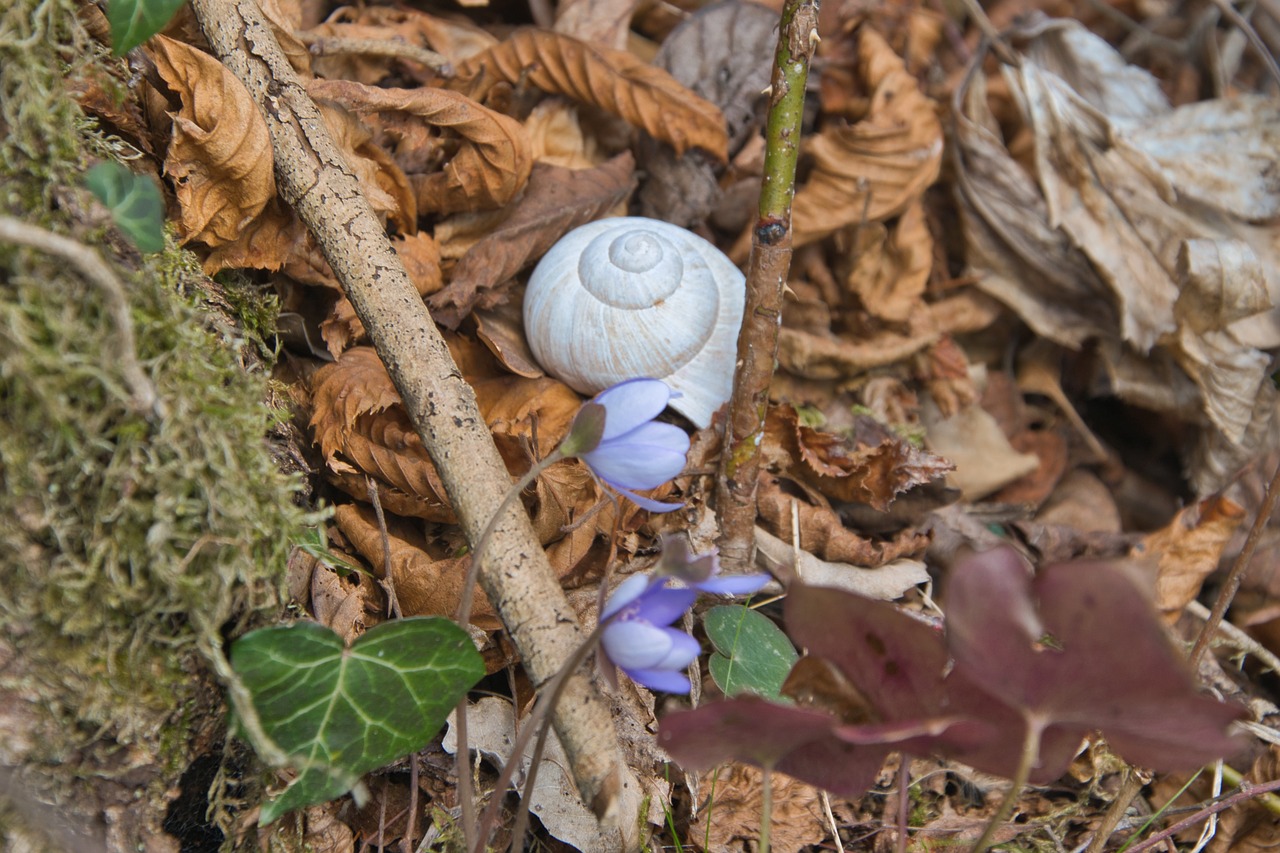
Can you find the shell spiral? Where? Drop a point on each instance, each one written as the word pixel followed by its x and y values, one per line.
pixel 630 297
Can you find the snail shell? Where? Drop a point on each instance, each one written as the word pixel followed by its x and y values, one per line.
pixel 631 297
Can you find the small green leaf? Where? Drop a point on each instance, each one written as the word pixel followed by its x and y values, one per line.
pixel 344 712
pixel 751 655
pixel 134 202
pixel 135 21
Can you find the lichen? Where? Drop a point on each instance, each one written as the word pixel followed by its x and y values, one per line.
pixel 129 540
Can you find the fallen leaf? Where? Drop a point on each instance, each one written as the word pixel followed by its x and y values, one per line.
pixel 557 137
pixel 488 169
pixel 873 169
pixel 825 535
pixel 603 22
pixel 613 80
pixel 891 265
pixel 1188 550
pixel 556 201
pixel 220 153
pixel 887 582
pixel 424 586
pixel 732 820
pixel 984 459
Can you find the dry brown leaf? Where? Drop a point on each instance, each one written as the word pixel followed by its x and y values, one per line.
pixel 603 22
pixel 502 330
pixel 556 201
pixel 421 258
pixel 887 582
pixel 220 154
pixel 824 535
pixel 362 428
pixel 984 459
pixel 267 243
pixel 613 80
pixel 872 466
pixel 557 138
pixel 876 168
pixel 488 169
pixel 424 586
pixel 891 265
pixel 337 603
pixel 826 356
pixel 733 822
pixel 517 408
pixel 1188 550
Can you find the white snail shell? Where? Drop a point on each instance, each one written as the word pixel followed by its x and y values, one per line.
pixel 631 297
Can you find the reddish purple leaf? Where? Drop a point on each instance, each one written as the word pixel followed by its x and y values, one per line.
pixel 1080 649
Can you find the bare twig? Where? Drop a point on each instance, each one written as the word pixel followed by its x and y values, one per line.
pixel 1129 789
pixel 91 265
pixel 1247 792
pixel 766 277
pixel 1228 591
pixel 316 181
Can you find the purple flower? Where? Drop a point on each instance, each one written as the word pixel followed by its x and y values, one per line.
pixel 638 637
pixel 616 435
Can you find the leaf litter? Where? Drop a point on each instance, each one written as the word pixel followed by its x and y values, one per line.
pixel 1037 304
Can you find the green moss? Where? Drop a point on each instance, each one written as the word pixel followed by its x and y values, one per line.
pixel 130 540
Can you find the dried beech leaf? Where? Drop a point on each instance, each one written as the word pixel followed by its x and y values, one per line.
pixel 556 201
pixel 1188 550
pixel 557 138
pixel 424 586
pixel 487 171
pixel 874 169
pixel 823 534
pixel 220 154
pixel 518 408
pixel 603 22
pixel 797 820
pixel 265 243
pixel 502 330
pixel 613 80
pixel 887 582
pixel 984 459
pixel 891 265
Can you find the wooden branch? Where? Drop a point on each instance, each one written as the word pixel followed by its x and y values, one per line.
pixel 316 181
pixel 766 278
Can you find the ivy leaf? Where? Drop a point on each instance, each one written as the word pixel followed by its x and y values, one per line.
pixel 134 202
pixel 751 655
pixel 339 712
pixel 135 21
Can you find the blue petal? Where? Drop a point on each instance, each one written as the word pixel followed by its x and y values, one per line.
pixel 630 404
pixel 664 606
pixel 627 591
pixel 732 584
pixel 660 679
pixel 635 644
pixel 643 459
pixel 684 651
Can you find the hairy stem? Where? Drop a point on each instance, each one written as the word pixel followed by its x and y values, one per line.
pixel 1030 754
pixel 766 277
pixel 766 808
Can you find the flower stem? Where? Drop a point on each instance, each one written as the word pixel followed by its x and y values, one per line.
pixel 766 277
pixel 1030 754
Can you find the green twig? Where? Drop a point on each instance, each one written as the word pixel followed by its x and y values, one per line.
pixel 766 277
pixel 766 809
pixel 1030 754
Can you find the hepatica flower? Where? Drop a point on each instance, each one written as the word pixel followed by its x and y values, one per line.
pixel 616 435
pixel 639 638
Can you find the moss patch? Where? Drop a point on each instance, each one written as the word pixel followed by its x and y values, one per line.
pixel 129 540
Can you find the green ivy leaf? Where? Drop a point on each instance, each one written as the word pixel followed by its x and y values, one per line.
pixel 340 712
pixel 134 202
pixel 752 655
pixel 135 21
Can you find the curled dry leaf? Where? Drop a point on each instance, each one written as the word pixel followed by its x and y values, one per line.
pixel 887 582
pixel 874 169
pixel 489 168
pixel 556 201
pixel 424 586
pixel 220 152
pixel 1188 550
pixel 613 80
pixel 891 265
pixel 797 818
pixel 824 534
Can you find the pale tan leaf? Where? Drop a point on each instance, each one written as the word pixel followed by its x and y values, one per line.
pixel 888 582
pixel 602 22
pixel 985 460
pixel 797 818
pixel 557 138
pixel 874 169
pixel 615 81
pixel 1188 550
pixel 556 201
pixel 891 265
pixel 220 154
pixel 487 171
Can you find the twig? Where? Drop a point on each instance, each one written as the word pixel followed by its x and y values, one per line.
pixel 1129 789
pixel 1030 753
pixel 314 179
pixel 97 272
pixel 1236 575
pixel 1251 35
pixel 766 277
pixel 388 576
pixel 1246 792
pixel 1241 641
